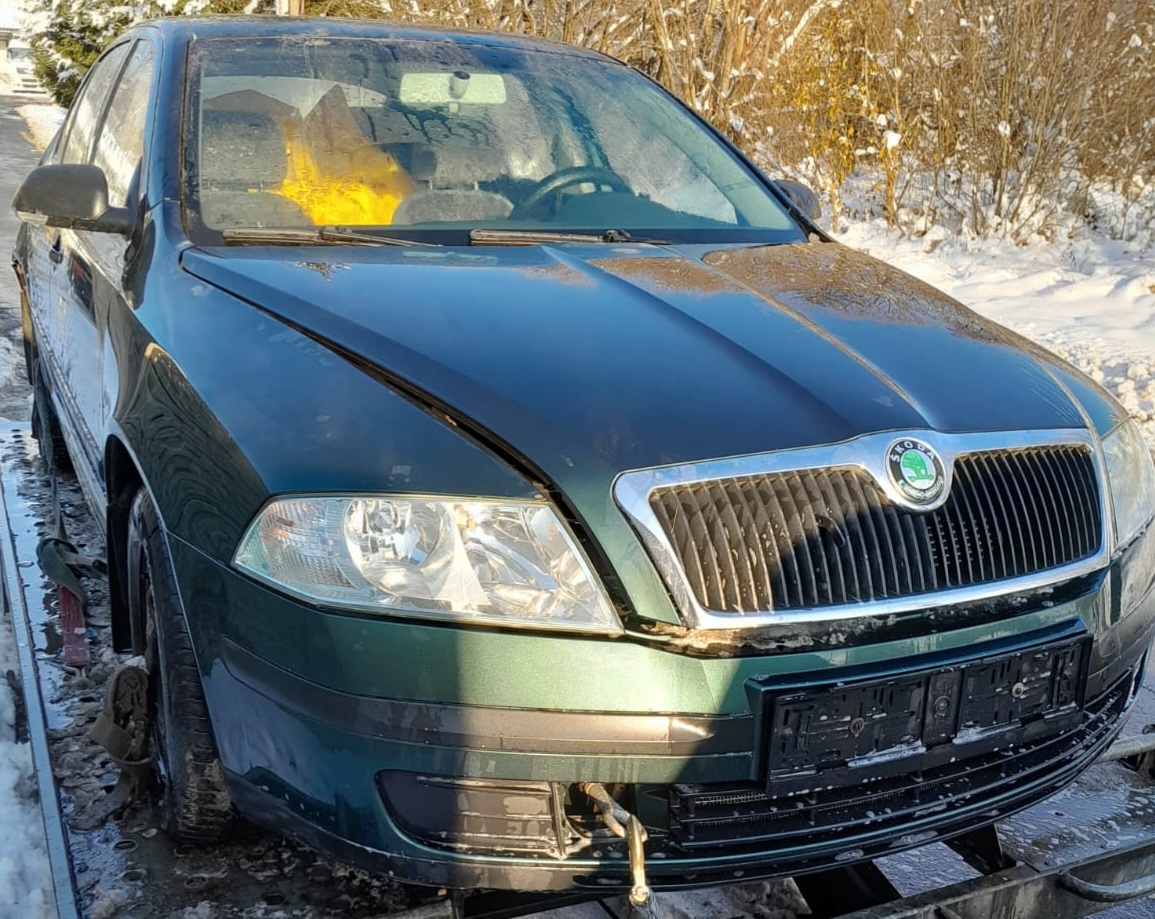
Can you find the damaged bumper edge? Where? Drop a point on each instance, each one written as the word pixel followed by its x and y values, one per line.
pixel 464 796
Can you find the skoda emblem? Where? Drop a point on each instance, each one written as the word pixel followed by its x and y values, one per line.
pixel 915 470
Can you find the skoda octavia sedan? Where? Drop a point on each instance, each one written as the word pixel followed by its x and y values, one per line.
pixel 492 460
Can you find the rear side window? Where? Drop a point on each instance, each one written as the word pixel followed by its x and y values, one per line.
pixel 121 140
pixel 89 104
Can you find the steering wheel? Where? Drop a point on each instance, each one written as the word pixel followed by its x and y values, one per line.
pixel 571 175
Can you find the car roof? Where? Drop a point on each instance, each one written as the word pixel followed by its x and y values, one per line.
pixel 181 29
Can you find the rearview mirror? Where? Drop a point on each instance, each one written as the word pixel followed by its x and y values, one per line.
pixel 70 195
pixel 801 196
pixel 418 89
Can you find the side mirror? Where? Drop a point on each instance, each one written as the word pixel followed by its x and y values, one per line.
pixel 801 197
pixel 70 195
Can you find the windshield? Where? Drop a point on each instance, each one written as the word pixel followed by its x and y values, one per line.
pixel 432 139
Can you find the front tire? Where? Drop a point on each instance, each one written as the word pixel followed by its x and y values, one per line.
pixel 194 801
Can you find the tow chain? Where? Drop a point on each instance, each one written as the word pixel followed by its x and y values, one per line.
pixel 64 566
pixel 122 725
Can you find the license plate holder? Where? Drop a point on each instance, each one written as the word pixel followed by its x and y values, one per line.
pixel 862 723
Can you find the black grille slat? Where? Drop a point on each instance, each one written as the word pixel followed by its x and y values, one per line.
pixel 725 532
pixel 796 513
pixel 711 575
pixel 673 521
pixel 1018 541
pixel 980 556
pixel 1066 524
pixel 870 552
pixel 833 539
pixel 1048 545
pixel 958 539
pixel 1082 476
pixel 977 481
pixel 754 520
pixel 890 557
pixel 854 537
pixel 792 579
pixel 1078 519
pixel 828 537
pixel 819 541
pixel 916 552
pixel 1041 493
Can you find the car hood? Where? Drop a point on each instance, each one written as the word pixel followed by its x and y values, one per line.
pixel 590 360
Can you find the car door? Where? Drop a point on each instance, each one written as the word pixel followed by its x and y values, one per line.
pixel 94 262
pixel 120 153
pixel 60 286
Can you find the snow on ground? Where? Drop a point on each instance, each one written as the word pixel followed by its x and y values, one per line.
pixel 43 122
pixel 1086 297
pixel 25 882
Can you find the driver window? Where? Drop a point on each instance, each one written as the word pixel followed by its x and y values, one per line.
pixel 89 103
pixel 121 140
pixel 680 185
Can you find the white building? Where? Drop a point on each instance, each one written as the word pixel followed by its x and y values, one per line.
pixel 15 59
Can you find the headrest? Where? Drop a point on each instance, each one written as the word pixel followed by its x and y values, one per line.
pixel 241 150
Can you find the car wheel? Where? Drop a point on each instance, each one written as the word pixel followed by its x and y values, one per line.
pixel 46 427
pixel 194 802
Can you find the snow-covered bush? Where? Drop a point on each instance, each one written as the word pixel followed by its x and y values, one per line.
pixel 990 116
pixel 67 36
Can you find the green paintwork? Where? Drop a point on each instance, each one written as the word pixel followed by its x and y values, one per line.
pixel 358 654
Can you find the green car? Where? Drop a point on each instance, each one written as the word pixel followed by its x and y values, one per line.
pixel 495 464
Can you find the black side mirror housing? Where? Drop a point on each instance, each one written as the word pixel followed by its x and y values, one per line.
pixel 801 196
pixel 70 195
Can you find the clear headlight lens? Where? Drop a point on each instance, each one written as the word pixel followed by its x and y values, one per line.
pixel 1132 480
pixel 500 562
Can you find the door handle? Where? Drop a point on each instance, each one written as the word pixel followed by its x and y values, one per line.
pixel 55 252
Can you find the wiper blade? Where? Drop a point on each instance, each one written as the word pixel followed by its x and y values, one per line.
pixel 303 236
pixel 533 237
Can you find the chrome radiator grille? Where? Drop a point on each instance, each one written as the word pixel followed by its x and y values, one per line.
pixel 825 537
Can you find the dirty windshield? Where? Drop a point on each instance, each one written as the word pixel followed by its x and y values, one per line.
pixel 433 139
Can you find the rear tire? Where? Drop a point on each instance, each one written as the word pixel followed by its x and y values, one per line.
pixel 194 801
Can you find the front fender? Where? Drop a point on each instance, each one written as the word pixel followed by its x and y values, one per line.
pixel 223 407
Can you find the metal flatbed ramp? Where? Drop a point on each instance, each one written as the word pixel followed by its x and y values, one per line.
pixel 1080 852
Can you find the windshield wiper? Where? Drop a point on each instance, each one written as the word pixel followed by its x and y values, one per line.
pixel 533 237
pixel 303 236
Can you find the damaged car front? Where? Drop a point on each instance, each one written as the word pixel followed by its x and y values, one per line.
pixel 558 471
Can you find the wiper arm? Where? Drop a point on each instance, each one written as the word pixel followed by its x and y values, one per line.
pixel 533 237
pixel 621 236
pixel 298 236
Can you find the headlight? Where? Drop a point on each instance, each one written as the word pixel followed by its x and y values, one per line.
pixel 499 562
pixel 1132 480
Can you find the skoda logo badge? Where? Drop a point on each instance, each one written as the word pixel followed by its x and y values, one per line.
pixel 915 470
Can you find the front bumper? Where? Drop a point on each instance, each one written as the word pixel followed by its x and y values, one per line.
pixel 468 784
